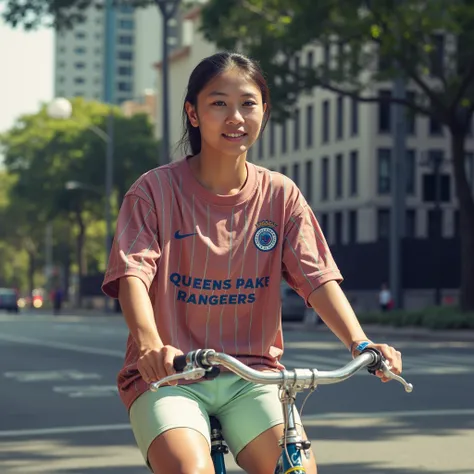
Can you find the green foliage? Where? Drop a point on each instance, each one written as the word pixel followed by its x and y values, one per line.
pixel 431 318
pixel 42 155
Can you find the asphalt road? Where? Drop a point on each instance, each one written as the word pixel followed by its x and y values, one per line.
pixel 60 412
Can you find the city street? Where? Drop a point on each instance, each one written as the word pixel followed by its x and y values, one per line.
pixel 61 413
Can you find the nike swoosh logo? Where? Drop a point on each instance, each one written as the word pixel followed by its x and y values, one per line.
pixel 179 236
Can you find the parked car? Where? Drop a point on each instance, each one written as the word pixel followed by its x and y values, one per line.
pixel 293 306
pixel 9 300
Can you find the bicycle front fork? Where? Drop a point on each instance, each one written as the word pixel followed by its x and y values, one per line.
pixel 294 448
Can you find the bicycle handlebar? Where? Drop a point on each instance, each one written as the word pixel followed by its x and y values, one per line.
pixel 203 363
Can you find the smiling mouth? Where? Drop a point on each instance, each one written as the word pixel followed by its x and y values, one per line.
pixel 234 135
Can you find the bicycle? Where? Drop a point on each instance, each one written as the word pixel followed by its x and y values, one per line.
pixel 203 363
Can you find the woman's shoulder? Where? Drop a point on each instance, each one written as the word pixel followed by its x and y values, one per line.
pixel 278 184
pixel 154 184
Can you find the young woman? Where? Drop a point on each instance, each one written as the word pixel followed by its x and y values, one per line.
pixel 200 249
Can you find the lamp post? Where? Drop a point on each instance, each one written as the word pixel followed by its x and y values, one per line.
pixel 61 108
pixel 168 10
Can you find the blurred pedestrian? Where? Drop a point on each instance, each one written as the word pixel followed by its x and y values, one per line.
pixel 385 298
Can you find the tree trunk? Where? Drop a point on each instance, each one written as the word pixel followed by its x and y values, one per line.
pixel 80 257
pixel 31 276
pixel 466 220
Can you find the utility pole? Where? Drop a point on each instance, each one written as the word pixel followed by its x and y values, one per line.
pixel 168 10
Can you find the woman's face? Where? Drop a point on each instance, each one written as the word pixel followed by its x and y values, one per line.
pixel 229 113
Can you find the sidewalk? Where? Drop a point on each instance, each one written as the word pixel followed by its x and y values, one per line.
pixel 370 329
pixel 388 331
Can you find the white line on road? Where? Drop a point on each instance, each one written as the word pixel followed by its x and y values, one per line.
pixel 327 416
pixel 63 345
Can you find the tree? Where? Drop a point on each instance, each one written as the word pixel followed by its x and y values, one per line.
pixel 43 154
pixel 60 14
pixel 428 43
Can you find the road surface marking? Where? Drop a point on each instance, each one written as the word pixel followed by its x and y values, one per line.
pixel 50 375
pixel 63 345
pixel 309 418
pixel 87 391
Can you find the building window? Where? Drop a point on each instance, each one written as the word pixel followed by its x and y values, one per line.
pixel 125 39
pixel 435 222
pixel 339 175
pixel 383 170
pixel 385 119
pixel 354 173
pixel 284 170
pixel 410 115
pixel 80 35
pixel 325 178
pixel 435 127
pixel 79 80
pixel 339 228
pixel 126 24
pixel 260 147
pixel 309 180
pixel 410 223
pixel 296 173
pixel 61 64
pixel 327 56
pixel 325 122
pixel 61 80
pixel 310 59
pixel 125 71
pixel 352 227
pixel 124 86
pixel 296 130
pixel 383 223
pixel 410 172
pixel 80 50
pixel 340 117
pixel 354 117
pixel 324 224
pixel 271 138
pixel 469 164
pixel 284 142
pixel 80 65
pixel 309 126
pixel 125 55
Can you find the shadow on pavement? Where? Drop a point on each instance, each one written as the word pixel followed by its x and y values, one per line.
pixel 367 468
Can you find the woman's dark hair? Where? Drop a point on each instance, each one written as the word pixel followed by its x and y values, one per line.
pixel 205 71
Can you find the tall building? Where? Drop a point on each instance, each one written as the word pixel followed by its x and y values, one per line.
pixel 339 152
pixel 110 56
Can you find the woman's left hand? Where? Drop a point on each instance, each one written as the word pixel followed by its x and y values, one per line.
pixel 393 360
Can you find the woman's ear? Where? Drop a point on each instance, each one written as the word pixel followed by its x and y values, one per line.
pixel 192 114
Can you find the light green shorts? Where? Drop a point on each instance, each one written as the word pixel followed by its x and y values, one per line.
pixel 245 410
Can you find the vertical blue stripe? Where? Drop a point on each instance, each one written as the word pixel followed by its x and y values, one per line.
pixel 110 52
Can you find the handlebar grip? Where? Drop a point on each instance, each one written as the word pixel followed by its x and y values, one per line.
pixel 179 363
pixel 377 364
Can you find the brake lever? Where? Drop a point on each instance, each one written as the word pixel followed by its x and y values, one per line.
pixel 390 375
pixel 191 374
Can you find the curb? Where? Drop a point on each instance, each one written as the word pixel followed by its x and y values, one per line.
pixel 371 329
pixel 407 332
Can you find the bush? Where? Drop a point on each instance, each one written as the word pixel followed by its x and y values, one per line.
pixel 447 317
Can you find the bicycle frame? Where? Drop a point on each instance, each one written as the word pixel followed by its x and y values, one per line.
pixel 290 461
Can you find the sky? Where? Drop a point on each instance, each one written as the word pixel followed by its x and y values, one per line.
pixel 26 72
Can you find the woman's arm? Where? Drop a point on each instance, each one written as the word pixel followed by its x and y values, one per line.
pixel 138 313
pixel 331 304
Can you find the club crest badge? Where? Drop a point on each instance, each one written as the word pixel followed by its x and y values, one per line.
pixel 265 237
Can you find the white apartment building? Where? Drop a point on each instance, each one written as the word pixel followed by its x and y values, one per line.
pixel 338 151
pixel 134 45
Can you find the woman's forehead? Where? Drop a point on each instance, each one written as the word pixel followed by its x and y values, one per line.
pixel 231 82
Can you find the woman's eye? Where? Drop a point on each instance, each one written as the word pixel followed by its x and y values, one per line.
pixel 219 103
pixel 250 103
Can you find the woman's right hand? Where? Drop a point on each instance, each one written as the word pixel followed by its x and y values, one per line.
pixel 156 363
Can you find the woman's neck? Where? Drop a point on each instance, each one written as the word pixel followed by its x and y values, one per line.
pixel 221 175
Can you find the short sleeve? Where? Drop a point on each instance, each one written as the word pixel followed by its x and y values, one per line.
pixel 135 249
pixel 307 260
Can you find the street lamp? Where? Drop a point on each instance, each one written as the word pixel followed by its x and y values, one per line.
pixel 61 108
pixel 168 10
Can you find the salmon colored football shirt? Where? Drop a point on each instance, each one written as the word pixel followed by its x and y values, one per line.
pixel 213 264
